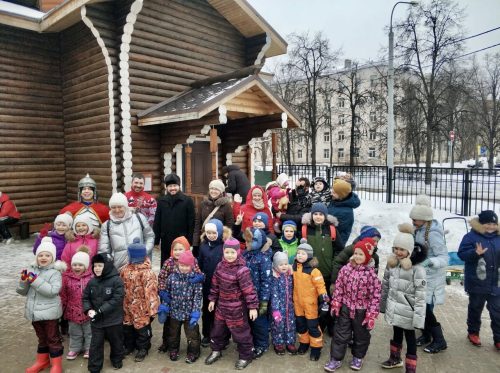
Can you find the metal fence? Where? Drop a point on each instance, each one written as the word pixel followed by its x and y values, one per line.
pixel 461 191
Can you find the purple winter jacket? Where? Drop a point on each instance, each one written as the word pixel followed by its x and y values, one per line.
pixel 58 239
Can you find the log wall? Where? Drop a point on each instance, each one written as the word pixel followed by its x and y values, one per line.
pixel 174 43
pixel 32 168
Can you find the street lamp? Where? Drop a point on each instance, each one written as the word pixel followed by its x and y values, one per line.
pixel 390 100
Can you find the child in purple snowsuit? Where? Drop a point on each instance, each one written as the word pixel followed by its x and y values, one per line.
pixel 283 331
pixel 62 224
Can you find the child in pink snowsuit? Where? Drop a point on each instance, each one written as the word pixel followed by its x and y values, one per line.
pixel 277 192
pixel 83 234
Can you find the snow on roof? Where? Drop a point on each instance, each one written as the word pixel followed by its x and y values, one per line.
pixel 20 10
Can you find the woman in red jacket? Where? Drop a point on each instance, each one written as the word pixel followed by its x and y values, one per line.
pixel 256 202
pixel 8 215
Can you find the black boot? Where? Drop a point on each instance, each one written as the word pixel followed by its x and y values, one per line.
pixel 303 347
pixel 438 342
pixel 424 338
pixel 315 353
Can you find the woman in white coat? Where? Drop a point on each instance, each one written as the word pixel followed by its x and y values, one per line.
pixel 120 230
pixel 429 232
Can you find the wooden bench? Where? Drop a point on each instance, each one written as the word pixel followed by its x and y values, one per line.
pixel 24 228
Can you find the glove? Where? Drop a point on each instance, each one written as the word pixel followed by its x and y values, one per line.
pixel 24 275
pixel 164 296
pixel 369 321
pixel 197 278
pixel 277 316
pixel 324 301
pixel 95 316
pixel 335 308
pixel 195 316
pixel 163 313
pixel 263 308
pixel 32 277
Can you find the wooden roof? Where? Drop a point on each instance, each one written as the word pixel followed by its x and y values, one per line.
pixel 235 98
pixel 238 12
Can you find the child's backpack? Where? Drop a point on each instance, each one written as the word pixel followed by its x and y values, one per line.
pixel 333 232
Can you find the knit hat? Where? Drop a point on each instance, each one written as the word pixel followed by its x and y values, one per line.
pixel 64 218
pixel 279 258
pixel 304 246
pixel 172 179
pixel 262 217
pixel 404 238
pixel 217 184
pixel 368 231
pixel 81 257
pixel 118 199
pixel 367 246
pixel 319 207
pixel 342 188
pixel 183 241
pixel 488 216
pixel 46 245
pixel 422 209
pixel 289 223
pixel 282 180
pixel 215 225
pixel 83 219
pixel 136 252
pixel 231 243
pixel 187 258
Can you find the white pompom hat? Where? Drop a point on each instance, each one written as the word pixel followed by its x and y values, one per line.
pixel 46 245
pixel 422 209
pixel 118 199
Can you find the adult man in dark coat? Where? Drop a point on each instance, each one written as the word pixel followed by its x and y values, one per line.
pixel 174 216
pixel 237 181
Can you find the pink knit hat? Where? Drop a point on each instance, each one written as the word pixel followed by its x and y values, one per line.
pixel 187 258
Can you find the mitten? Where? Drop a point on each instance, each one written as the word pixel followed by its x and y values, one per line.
pixel 195 316
pixel 163 313
pixel 45 230
pixel 369 320
pixel 32 277
pixel 277 316
pixel 335 307
pixel 24 275
pixel 324 301
pixel 164 296
pixel 263 308
pixel 197 278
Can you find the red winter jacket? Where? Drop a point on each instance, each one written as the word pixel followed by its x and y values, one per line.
pixel 8 208
pixel 249 210
pixel 71 296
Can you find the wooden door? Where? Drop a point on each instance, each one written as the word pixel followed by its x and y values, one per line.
pixel 201 167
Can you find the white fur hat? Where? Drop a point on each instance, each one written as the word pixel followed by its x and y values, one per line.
pixel 404 238
pixel 64 218
pixel 422 209
pixel 46 245
pixel 118 199
pixel 282 179
pixel 81 257
pixel 83 219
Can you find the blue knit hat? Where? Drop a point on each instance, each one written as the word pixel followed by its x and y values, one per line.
pixel 319 207
pixel 136 252
pixel 368 231
pixel 289 223
pixel 262 217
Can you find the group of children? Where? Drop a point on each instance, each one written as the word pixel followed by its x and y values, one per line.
pixel 243 285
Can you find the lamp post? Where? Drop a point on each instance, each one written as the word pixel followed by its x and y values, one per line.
pixel 390 102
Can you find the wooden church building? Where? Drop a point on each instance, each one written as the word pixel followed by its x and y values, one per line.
pixel 114 87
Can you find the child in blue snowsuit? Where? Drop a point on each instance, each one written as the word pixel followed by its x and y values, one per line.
pixel 258 256
pixel 283 331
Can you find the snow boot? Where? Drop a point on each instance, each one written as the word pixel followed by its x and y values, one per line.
pixel 438 342
pixel 425 338
pixel 42 362
pixel 394 360
pixel 56 364
pixel 411 363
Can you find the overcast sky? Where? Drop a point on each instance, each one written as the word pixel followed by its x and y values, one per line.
pixel 357 26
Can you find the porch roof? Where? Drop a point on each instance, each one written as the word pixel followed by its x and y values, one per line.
pixel 234 98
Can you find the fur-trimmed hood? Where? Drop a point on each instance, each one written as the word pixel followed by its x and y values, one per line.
pixel 479 228
pixel 307 219
pixel 312 263
pixel 221 201
pixel 418 256
pixel 71 237
pixel 58 265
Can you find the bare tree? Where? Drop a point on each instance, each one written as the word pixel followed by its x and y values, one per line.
pixel 486 96
pixel 429 39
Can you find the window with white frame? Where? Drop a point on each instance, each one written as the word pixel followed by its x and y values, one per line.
pixel 356 153
pixel 326 136
pixel 357 136
pixel 357 120
pixel 299 153
pixel 371 152
pixel 373 117
pixel 341 119
pixel 340 152
pixel 341 135
pixel 373 134
pixel 326 153
pixel 373 80
pixel 341 102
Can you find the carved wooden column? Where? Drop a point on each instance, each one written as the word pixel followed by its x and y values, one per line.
pixel 274 149
pixel 188 150
pixel 213 151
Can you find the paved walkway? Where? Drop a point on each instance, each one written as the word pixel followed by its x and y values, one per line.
pixel 18 341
